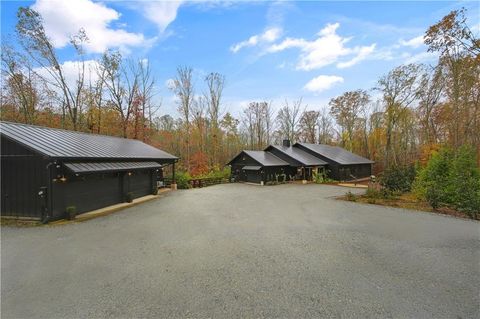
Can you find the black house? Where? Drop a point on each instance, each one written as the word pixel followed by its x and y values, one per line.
pixel 45 170
pixel 302 165
pixel 342 164
pixel 257 167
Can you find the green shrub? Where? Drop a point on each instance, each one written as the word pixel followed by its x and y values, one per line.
pixel 322 178
pixel 71 212
pixel 217 173
pixel 398 178
pixel 373 193
pixel 183 180
pixel 129 197
pixel 465 182
pixel 451 179
pixel 433 182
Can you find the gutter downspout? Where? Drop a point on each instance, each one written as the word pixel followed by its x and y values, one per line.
pixel 46 214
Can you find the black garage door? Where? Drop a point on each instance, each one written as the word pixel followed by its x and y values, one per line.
pixel 140 183
pixel 253 176
pixel 89 192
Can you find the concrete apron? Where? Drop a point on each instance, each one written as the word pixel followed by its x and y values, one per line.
pixel 109 209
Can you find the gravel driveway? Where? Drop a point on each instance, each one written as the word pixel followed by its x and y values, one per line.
pixel 243 251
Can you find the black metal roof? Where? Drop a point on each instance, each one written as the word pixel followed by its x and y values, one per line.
pixel 95 167
pixel 336 154
pixel 266 158
pixel 299 155
pixel 58 143
pixel 261 157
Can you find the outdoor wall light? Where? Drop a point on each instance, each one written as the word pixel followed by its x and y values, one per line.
pixel 129 173
pixel 63 179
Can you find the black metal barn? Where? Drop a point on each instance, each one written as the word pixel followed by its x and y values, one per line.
pixel 44 170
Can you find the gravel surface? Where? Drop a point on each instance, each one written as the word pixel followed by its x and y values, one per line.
pixel 243 251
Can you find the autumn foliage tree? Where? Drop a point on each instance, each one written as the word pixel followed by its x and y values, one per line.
pixel 412 112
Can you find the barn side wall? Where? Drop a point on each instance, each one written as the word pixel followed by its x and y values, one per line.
pixel 88 192
pixel 23 173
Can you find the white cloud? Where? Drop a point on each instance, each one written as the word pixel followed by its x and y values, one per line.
pixel 169 83
pixel 414 42
pixel 362 54
pixel 327 49
pixel 62 19
pixel 71 71
pixel 420 57
pixel 162 13
pixel 322 83
pixel 269 36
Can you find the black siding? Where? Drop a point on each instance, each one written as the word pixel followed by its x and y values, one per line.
pixel 86 193
pixel 265 174
pixel 23 173
pixel 240 161
pixel 94 191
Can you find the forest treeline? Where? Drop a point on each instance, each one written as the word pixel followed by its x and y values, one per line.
pixel 411 112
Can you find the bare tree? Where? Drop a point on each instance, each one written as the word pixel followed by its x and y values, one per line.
pixel 256 122
pixel 122 83
pixel 215 84
pixel 400 89
pixel 146 94
pixel 288 119
pixel 20 82
pixel 325 127
pixel 34 40
pixel 199 108
pixel 431 90
pixel 346 110
pixel 308 126
pixel 95 98
pixel 183 88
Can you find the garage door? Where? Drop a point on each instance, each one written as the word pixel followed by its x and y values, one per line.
pixel 89 192
pixel 253 176
pixel 140 183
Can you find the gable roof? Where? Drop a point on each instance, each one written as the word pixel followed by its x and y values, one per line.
pixel 299 155
pixel 261 157
pixel 58 143
pixel 336 154
pixel 266 158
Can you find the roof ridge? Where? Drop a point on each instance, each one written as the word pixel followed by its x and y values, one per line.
pixel 65 130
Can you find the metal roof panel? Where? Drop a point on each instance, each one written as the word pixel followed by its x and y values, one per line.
pixel 300 155
pixel 337 154
pixel 266 158
pixel 70 144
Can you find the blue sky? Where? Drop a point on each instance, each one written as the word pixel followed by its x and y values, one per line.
pixel 267 50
